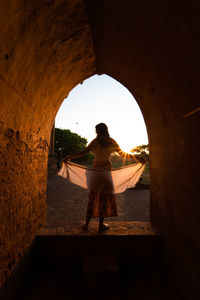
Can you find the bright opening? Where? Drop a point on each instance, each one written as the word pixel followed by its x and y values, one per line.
pixel 103 99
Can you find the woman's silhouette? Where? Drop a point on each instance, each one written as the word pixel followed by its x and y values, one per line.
pixel 102 201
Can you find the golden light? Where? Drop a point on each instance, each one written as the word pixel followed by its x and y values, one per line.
pixel 126 149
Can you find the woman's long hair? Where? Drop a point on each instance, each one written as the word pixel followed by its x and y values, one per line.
pixel 103 136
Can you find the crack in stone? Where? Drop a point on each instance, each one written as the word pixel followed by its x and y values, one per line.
pixel 10 86
pixel 167 19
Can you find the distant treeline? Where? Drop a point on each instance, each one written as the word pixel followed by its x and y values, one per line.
pixel 67 142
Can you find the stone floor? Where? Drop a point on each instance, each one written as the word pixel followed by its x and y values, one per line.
pixel 116 228
pixel 67 202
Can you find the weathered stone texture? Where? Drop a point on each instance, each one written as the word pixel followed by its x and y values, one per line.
pixel 22 193
pixel 151 47
pixel 46 49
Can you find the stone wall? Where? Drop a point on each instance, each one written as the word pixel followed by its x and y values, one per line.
pixel 151 48
pixel 22 192
pixel 46 49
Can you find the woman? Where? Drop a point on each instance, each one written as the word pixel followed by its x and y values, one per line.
pixel 102 201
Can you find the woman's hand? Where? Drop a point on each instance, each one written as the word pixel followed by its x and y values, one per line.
pixel 135 157
pixel 66 159
pixel 141 159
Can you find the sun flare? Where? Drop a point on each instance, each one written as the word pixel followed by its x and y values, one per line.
pixel 126 150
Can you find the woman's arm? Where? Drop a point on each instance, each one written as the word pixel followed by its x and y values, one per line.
pixel 139 159
pixel 80 154
pixel 128 155
pixel 76 155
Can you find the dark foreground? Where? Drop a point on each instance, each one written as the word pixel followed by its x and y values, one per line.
pixel 116 265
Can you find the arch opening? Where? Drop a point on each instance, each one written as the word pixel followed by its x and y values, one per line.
pixel 99 99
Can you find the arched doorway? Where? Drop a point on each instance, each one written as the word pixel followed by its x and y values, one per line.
pixel 99 99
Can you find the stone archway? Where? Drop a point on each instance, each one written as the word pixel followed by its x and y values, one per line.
pixel 98 99
pixel 152 49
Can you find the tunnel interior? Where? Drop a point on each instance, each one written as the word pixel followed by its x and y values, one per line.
pixel 152 49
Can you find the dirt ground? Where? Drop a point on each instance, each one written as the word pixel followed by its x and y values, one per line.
pixel 67 202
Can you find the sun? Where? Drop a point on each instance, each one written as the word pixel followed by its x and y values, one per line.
pixel 126 150
pixel 126 147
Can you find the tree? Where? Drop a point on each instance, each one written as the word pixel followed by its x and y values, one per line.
pixel 142 152
pixel 68 142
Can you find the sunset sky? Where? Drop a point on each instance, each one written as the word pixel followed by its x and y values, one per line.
pixel 103 99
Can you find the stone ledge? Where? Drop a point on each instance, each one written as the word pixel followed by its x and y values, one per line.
pixel 116 229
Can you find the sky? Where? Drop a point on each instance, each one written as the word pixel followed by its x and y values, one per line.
pixel 103 99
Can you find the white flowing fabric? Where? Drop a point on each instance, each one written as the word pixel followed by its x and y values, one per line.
pixel 113 181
